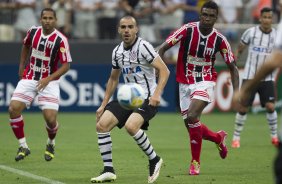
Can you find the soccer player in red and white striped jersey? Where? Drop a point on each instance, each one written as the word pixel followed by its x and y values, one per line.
pixel 43 47
pixel 196 75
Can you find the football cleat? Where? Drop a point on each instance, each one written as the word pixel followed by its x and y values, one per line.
pixel 154 169
pixel 22 153
pixel 49 152
pixel 235 144
pixel 275 141
pixel 108 175
pixel 222 146
pixel 194 168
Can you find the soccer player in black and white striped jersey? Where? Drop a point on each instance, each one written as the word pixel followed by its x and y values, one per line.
pixel 138 62
pixel 273 62
pixel 260 40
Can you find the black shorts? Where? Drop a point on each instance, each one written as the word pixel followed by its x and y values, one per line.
pixel 265 90
pixel 146 111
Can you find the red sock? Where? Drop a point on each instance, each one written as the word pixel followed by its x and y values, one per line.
pixel 195 133
pixel 210 135
pixel 52 131
pixel 17 125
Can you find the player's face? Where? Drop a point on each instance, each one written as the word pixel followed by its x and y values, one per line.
pixel 208 17
pixel 48 21
pixel 128 30
pixel 266 20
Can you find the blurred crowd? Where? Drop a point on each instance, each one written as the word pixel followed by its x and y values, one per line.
pixel 97 19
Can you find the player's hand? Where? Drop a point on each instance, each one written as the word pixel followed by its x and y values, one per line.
pixel 41 85
pixel 99 113
pixel 154 101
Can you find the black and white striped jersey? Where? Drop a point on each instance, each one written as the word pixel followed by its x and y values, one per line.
pixel 260 46
pixel 135 64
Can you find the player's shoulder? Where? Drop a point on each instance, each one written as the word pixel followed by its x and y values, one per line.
pixel 34 27
pixel 61 35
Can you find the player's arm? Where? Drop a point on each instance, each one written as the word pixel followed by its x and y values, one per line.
pixel 241 47
pixel 163 73
pixel 273 62
pixel 54 76
pixel 111 85
pixel 23 59
pixel 163 48
pixel 110 88
pixel 234 75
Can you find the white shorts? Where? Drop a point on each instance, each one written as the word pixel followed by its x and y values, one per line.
pixel 202 91
pixel 26 91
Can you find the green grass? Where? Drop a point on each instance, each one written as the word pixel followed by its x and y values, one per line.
pixel 78 159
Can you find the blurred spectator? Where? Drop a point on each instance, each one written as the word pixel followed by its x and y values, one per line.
pixel 25 16
pixel 254 6
pixel 48 3
pixel 6 20
pixel 191 11
pixel 168 15
pixel 276 10
pixel 229 11
pixel 127 6
pixel 63 10
pixel 86 18
pixel 108 19
pixel 143 13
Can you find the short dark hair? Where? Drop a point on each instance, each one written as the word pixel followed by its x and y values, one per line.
pixel 265 9
pixel 210 5
pixel 48 9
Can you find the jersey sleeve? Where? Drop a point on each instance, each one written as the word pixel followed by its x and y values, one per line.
pixel 245 38
pixel 114 58
pixel 177 35
pixel 27 39
pixel 64 52
pixel 148 52
pixel 226 52
pixel 278 40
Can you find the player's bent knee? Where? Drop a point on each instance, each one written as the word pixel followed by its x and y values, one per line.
pixel 270 107
pixel 131 129
pixel 101 128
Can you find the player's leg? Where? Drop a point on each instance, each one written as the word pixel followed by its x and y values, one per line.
pixel 48 101
pixel 111 117
pixel 267 99
pixel 133 126
pixel 50 117
pixel 240 120
pixel 21 99
pixel 17 125
pixel 194 128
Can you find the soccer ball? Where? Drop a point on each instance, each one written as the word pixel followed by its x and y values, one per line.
pixel 131 96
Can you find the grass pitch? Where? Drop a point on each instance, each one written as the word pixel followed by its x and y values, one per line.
pixel 77 158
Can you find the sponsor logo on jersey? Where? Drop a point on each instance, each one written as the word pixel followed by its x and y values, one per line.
pixel 261 50
pixel 62 49
pixel 39 69
pixel 175 40
pixel 198 61
pixel 39 55
pixel 131 70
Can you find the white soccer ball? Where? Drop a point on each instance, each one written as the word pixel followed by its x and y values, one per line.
pixel 131 96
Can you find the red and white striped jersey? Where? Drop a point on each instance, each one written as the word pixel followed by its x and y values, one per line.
pixel 45 53
pixel 197 53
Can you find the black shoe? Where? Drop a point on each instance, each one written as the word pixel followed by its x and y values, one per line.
pixel 154 169
pixel 22 153
pixel 49 153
